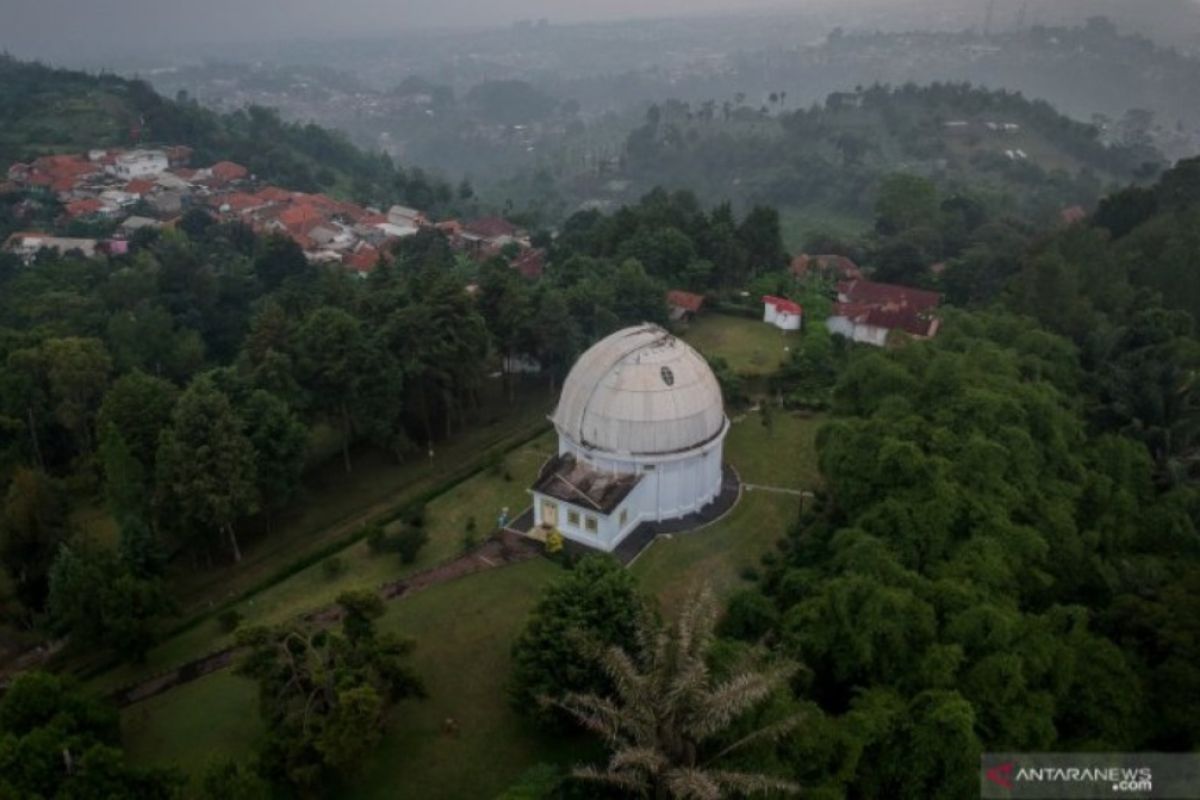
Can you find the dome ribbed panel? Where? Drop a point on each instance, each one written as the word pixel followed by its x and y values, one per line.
pixel 617 399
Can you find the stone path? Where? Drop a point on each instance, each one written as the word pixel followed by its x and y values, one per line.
pixel 502 549
pixel 757 487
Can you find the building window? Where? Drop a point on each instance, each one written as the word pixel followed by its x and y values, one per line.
pixel 668 376
pixel 573 518
pixel 591 524
pixel 624 516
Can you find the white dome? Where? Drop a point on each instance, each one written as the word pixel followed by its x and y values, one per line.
pixel 640 391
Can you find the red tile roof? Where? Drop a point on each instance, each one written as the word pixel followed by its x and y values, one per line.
pixel 907 319
pixel 365 260
pixel 238 201
pixel 139 186
pixel 81 208
pixel 490 227
pixel 227 171
pixel 688 301
pixel 782 304
pixel 530 263
pixel 274 194
pixel 886 294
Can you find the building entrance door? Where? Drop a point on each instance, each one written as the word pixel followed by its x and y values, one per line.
pixel 549 514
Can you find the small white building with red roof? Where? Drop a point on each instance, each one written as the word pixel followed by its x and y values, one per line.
pixel 787 315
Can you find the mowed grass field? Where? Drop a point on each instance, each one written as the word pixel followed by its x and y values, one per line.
pixel 464 632
pixel 752 347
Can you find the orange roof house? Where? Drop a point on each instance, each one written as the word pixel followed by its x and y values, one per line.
pixel 227 171
pixel 683 304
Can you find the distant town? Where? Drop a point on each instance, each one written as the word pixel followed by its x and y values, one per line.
pixel 154 187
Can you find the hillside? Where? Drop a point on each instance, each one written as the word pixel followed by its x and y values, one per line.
pixel 45 110
pixel 826 162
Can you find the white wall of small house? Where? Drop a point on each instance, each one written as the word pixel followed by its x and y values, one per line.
pixel 770 314
pixel 572 522
pixel 787 321
pixel 864 334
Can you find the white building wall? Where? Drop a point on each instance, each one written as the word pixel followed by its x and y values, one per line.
pixel 669 488
pixel 787 321
pixel 864 334
pixel 140 164
pixel 770 314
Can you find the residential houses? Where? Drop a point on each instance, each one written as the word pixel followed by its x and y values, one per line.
pixel 142 188
pixel 870 312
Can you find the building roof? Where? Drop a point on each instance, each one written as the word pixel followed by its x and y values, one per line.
pixel 640 391
pixel 531 263
pixel 907 319
pixel 688 301
pixel 783 305
pixel 572 481
pixel 140 186
pixel 229 171
pixel 886 294
pixel 490 227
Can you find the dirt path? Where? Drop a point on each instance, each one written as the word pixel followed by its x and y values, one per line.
pixel 502 549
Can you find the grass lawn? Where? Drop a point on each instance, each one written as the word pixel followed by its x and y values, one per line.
pixel 481 496
pixel 751 347
pixel 192 725
pixel 784 455
pixel 464 632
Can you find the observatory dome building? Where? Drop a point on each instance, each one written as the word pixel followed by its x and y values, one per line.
pixel 641 429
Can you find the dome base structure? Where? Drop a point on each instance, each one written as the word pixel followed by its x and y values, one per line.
pixel 641 427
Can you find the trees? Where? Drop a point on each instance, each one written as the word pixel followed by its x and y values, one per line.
pixel 596 605
pixel 672 723
pixel 77 374
pixel 32 525
pixel 323 694
pixel 58 742
pixel 138 406
pixel 279 441
pixel 206 470
pixel 974 529
pixel 105 599
pixel 905 202
pixel 125 484
pixel 333 354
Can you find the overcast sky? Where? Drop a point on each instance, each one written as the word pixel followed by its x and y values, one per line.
pixel 36 27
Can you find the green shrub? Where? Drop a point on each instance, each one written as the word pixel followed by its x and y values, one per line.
pixel 332 567
pixel 408 543
pixel 750 616
pixel 416 517
pixel 229 619
pixel 377 539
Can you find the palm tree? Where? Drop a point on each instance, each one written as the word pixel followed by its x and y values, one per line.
pixel 665 720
